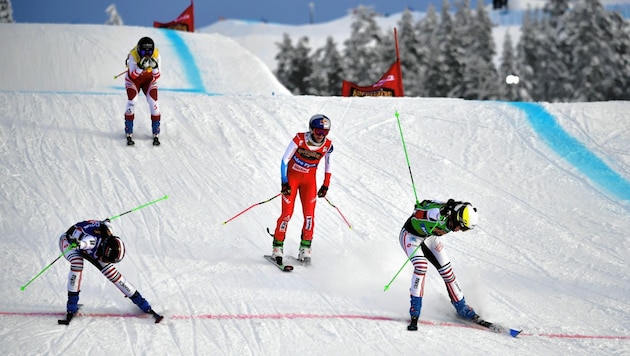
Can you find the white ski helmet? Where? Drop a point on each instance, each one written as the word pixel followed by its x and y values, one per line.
pixel 467 216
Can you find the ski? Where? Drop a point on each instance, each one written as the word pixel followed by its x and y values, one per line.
pixel 69 317
pixel 67 320
pixel 156 316
pixel 282 267
pixel 305 263
pixel 478 323
pixel 495 328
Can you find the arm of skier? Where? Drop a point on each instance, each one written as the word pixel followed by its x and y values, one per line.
pixel 284 163
pixel 327 174
pixel 285 188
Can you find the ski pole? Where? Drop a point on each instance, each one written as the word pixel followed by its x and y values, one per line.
pixel 138 208
pixel 408 258
pixel 73 245
pixel 339 211
pixel 121 73
pixel 406 156
pixel 262 202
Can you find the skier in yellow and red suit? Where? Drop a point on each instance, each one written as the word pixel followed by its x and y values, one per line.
pixel 143 63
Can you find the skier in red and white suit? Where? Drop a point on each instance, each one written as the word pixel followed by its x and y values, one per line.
pixel 143 72
pixel 298 172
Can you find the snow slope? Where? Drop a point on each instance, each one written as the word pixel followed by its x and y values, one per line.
pixel 550 254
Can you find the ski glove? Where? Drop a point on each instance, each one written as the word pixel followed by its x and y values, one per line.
pixel 87 243
pixel 146 63
pixel 322 191
pixel 286 189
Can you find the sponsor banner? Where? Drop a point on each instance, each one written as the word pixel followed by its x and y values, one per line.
pixel 184 22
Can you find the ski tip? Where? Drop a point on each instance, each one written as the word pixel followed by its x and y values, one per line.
pixel 287 268
pixel 514 332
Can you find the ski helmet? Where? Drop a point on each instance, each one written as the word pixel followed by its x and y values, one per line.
pixel 145 47
pixel 319 122
pixel 112 250
pixel 467 216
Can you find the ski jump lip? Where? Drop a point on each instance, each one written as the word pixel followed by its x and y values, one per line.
pixel 280 316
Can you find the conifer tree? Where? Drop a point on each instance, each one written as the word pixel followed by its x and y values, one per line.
pixel 6 11
pixel 412 55
pixel 328 71
pixel 360 47
pixel 114 17
pixel 301 67
pixel 284 60
pixel 508 90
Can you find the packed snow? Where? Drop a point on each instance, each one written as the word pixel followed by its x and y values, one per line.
pixel 550 255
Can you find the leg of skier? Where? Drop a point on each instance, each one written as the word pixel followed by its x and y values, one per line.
pixel 132 98
pixel 308 198
pixel 152 99
pixel 409 244
pixel 434 250
pixel 113 275
pixel 74 276
pixel 288 205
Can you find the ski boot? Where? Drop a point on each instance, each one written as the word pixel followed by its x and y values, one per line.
pixel 277 252
pixel 414 311
pixel 464 311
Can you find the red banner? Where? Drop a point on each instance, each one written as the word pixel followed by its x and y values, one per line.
pixel 390 84
pixel 185 21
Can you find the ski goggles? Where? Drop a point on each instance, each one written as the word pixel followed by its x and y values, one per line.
pixel 320 132
pixel 145 52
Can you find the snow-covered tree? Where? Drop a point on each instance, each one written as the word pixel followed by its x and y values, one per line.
pixel 620 44
pixel 508 90
pixel 481 74
pixel 284 60
pixel 427 28
pixel 589 35
pixel 360 48
pixel 114 17
pixel 413 55
pixel 384 55
pixel 534 53
pixel 475 52
pixel 301 67
pixel 328 73
pixel 6 11
pixel 444 69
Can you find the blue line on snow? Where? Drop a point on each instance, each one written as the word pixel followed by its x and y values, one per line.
pixel 574 151
pixel 187 59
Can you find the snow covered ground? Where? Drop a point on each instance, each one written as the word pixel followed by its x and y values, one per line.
pixel 550 255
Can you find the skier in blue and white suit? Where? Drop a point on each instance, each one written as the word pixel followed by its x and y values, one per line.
pixel 94 242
